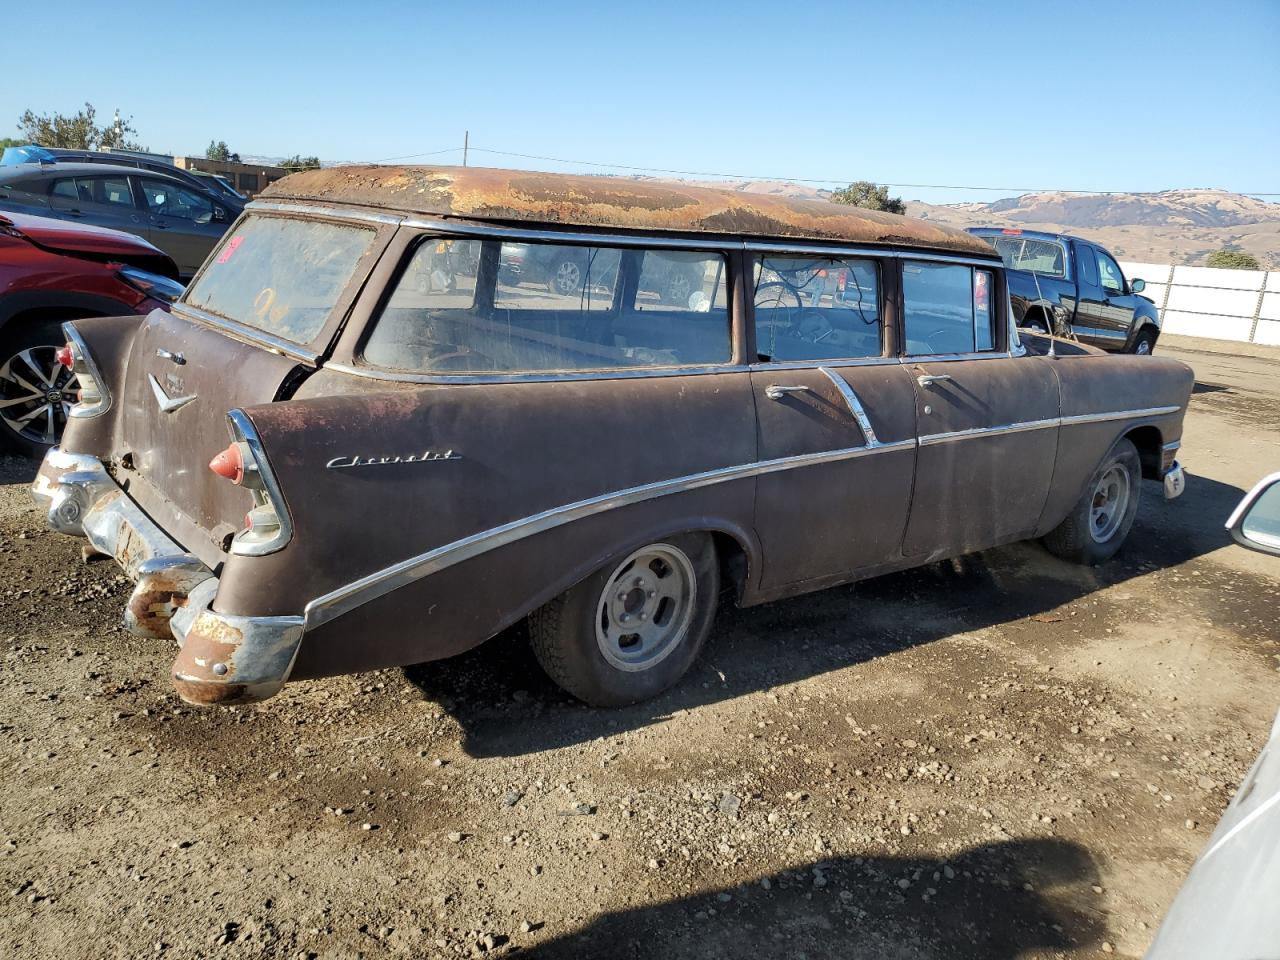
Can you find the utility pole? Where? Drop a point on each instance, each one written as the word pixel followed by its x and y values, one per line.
pixel 466 139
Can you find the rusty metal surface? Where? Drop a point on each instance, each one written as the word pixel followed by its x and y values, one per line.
pixel 480 193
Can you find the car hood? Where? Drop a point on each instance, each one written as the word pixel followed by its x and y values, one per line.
pixel 78 237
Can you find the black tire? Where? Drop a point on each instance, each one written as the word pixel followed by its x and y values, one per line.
pixel 1145 342
pixel 41 339
pixel 1078 538
pixel 564 632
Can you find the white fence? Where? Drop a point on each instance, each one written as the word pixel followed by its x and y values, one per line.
pixel 1241 305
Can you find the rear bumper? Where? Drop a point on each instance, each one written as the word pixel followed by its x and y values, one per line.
pixel 224 658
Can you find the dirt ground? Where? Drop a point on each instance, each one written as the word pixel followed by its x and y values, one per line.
pixel 1007 756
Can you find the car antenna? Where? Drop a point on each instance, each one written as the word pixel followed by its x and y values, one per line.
pixel 1051 323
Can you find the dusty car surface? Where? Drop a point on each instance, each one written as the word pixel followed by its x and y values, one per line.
pixel 424 451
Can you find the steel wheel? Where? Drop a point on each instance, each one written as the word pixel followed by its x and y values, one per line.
pixel 1110 503
pixel 567 278
pixel 35 394
pixel 645 608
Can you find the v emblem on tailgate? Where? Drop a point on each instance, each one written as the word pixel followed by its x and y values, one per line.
pixel 167 404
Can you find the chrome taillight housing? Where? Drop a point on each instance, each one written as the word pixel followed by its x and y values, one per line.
pixel 94 399
pixel 267 527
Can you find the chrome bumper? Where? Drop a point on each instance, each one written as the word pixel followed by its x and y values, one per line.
pixel 223 658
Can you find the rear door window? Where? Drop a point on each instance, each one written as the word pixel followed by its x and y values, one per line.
pixel 280 275
pixel 169 200
pixel 817 308
pixel 468 306
pixel 947 308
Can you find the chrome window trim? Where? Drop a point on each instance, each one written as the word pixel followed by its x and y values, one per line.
pixel 335 213
pixel 242 331
pixel 628 373
pixel 570 237
pixel 955 357
pixel 346 598
pixel 840 252
pixel 761 366
pixel 855 405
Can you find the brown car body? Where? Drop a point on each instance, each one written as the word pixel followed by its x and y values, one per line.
pixel 422 513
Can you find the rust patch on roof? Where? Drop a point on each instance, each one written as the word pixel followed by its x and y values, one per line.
pixel 615 203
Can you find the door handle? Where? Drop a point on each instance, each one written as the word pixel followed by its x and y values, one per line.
pixel 73 212
pixel 929 379
pixel 776 391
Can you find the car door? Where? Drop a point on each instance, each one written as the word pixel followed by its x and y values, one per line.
pixel 835 412
pixel 987 420
pixel 103 201
pixel 182 222
pixel 1092 302
pixel 1115 311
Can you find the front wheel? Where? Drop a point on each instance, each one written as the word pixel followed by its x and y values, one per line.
pixel 633 628
pixel 1099 522
pixel 1145 344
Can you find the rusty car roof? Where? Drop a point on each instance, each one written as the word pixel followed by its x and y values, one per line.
pixel 620 203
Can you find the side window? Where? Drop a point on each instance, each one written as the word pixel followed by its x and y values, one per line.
pixel 817 308
pixel 64 189
pixel 169 200
pixel 471 306
pixel 1087 261
pixel 112 191
pixel 947 308
pixel 1112 278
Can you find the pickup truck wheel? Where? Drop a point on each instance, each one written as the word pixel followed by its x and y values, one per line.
pixel 35 390
pixel 631 629
pixel 1098 524
pixel 1145 344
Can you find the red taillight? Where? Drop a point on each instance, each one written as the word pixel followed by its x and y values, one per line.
pixel 229 464
pixel 65 357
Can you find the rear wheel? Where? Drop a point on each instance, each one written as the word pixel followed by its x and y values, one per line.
pixel 35 390
pixel 1100 521
pixel 565 278
pixel 633 628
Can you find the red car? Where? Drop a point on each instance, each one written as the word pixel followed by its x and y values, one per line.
pixel 51 271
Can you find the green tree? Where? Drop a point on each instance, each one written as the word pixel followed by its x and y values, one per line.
pixel 77 131
pixel 1232 258
pixel 298 162
pixel 11 142
pixel 866 194
pixel 218 150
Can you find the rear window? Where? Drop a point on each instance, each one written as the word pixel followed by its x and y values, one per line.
pixel 280 276
pixel 1027 253
pixel 471 306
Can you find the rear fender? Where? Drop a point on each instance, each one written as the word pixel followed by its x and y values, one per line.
pixel 108 341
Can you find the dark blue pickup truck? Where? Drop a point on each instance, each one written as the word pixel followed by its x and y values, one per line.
pixel 1075 288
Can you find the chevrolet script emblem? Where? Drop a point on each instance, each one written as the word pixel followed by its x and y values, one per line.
pixel 167 404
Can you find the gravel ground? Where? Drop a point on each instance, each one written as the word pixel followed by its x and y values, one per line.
pixel 1004 756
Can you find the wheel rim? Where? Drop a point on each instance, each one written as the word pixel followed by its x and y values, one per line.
pixel 1110 502
pixel 568 276
pixel 1144 347
pixel 646 607
pixel 35 394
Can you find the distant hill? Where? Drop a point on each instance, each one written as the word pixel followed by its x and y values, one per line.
pixel 1175 226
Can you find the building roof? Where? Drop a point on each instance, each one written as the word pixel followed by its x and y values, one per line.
pixel 619 203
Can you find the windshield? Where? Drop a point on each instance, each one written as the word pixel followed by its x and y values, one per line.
pixel 279 275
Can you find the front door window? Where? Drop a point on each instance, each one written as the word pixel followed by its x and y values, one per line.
pixel 817 308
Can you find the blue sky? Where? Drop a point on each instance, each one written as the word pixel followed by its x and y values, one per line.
pixel 1110 96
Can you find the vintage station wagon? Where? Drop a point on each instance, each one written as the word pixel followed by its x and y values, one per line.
pixel 695 392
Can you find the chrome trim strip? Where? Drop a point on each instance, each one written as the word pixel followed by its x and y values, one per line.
pixel 1172 445
pixel 79 409
pixel 336 213
pixel 931 438
pixel 855 405
pixel 769 365
pixel 344 599
pixel 242 429
pixel 569 236
pixel 907 253
pixel 954 357
pixel 242 331
pixel 630 373
pixel 1119 415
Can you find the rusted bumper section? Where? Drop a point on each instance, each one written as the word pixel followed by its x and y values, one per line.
pixel 228 659
pixel 224 659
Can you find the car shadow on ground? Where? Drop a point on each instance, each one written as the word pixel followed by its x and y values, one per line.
pixel 506 705
pixel 998 900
